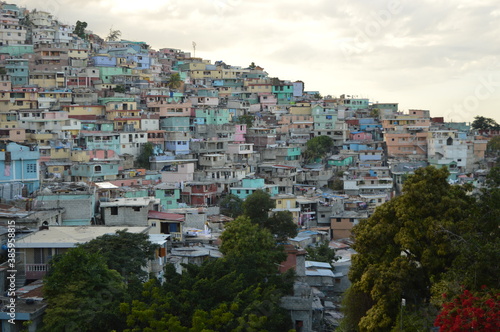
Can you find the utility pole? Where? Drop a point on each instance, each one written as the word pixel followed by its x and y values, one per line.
pixel 194 50
pixel 403 303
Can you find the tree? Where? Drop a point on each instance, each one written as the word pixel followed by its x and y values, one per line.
pixel 321 253
pixel 493 146
pixel 244 239
pixel 82 293
pixel 128 253
pixel 406 246
pixel 252 66
pixel 146 152
pixel 257 206
pixel 246 119
pixel 281 225
pixel 317 96
pixel 375 112
pixel 80 29
pixel 119 89
pixel 318 147
pixel 238 292
pixel 482 123
pixel 174 82
pixel 113 35
pixel 231 206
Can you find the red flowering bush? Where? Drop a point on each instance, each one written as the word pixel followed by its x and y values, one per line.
pixel 479 311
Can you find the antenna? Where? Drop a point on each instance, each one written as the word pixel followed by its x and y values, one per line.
pixel 194 50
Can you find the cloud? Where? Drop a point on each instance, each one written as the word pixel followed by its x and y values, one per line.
pixel 390 48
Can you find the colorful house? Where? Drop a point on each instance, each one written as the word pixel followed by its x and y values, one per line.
pixel 20 163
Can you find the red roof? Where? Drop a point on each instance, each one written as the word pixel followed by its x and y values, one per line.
pixel 165 216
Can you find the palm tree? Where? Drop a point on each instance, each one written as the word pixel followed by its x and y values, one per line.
pixel 113 35
pixel 174 82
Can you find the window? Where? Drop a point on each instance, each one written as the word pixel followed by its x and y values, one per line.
pixel 114 210
pixel 31 168
pixel 153 224
pixel 136 208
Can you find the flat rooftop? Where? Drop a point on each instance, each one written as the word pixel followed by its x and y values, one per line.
pixel 69 236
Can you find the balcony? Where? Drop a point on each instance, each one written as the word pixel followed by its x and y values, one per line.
pixel 36 271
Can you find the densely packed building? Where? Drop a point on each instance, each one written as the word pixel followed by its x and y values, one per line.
pixel 78 115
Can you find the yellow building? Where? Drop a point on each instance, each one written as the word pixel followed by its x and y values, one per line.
pixel 121 105
pixel 48 80
pixel 287 202
pixel 84 110
pixel 301 109
pixel 114 114
pixel 13 101
pixel 78 53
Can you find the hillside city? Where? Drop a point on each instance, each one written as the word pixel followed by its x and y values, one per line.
pixel 101 134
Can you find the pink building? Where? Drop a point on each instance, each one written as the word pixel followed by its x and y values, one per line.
pixel 240 133
pixel 360 136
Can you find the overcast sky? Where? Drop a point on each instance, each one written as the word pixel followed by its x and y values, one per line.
pixel 443 56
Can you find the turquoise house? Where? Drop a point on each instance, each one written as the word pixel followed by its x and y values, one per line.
pixel 340 160
pixel 19 163
pixel 212 116
pixel 175 123
pixel 323 118
pixel 17 50
pixel 100 141
pixel 293 153
pixel 168 195
pixel 106 73
pixel 139 193
pixel 249 186
pixel 93 172
pixel 283 93
pixel 18 70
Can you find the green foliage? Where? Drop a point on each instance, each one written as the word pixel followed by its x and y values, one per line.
pixel 143 158
pixel 252 66
pixel 113 35
pixel 321 253
pixel 318 147
pixel 246 244
pixel 282 226
pixel 231 206
pixel 257 207
pixel 80 29
pixel 336 184
pixel 493 146
pixel 119 89
pixel 406 245
pixel 174 82
pixel 246 119
pixel 239 292
pixel 375 113
pixel 124 252
pixel 317 96
pixel 482 123
pixel 82 293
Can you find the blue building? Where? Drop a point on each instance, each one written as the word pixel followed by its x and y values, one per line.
pixel 104 60
pixel 142 60
pixel 18 70
pixel 20 163
pixel 249 186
